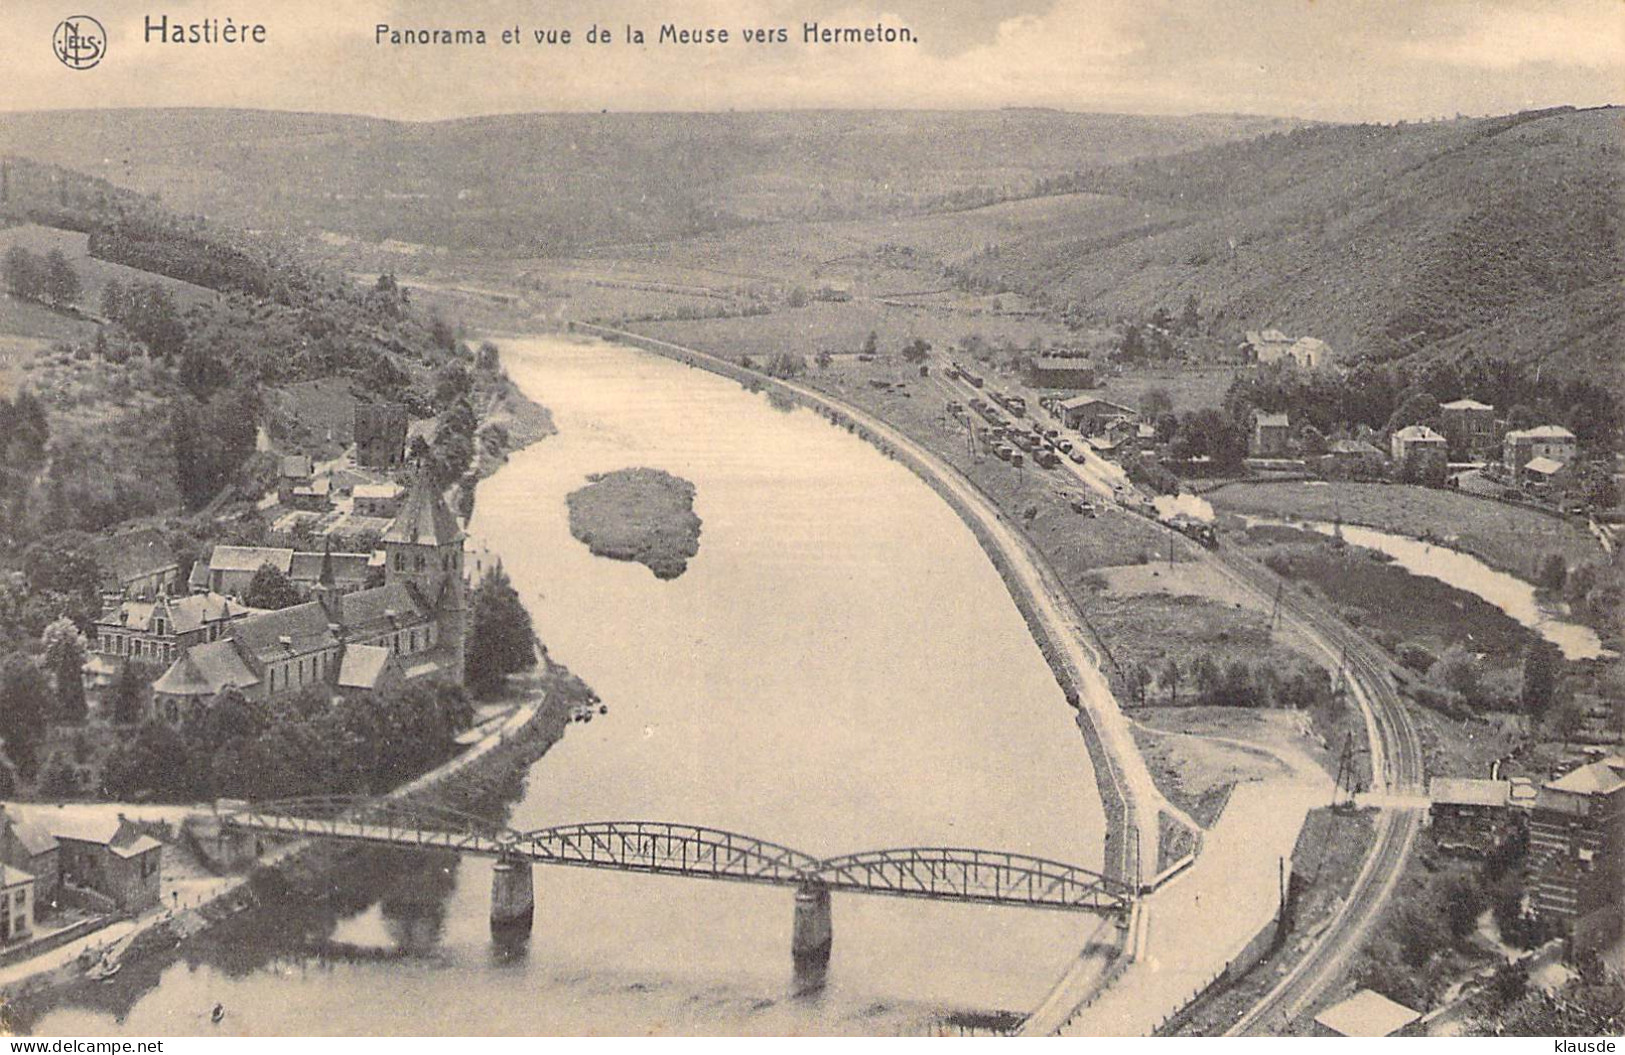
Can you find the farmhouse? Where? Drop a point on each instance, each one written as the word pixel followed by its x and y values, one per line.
pixel 1352 460
pixel 1521 446
pixel 377 500
pixel 1468 425
pixel 1273 346
pixel 1417 448
pixel 110 857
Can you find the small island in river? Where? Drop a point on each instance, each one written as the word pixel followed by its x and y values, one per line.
pixel 643 515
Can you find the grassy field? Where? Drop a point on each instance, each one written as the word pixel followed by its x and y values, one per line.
pixel 1384 598
pixel 1189 389
pixel 1510 538
pixel 94 274
pixel 1196 773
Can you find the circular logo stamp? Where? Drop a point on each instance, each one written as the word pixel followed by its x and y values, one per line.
pixel 79 42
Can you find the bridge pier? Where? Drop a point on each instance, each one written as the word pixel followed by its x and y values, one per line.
pixel 814 931
pixel 513 897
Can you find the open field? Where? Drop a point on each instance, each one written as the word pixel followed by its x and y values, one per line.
pixel 94 274
pixel 1510 538
pixel 1384 598
pixel 1190 389
pixel 1195 771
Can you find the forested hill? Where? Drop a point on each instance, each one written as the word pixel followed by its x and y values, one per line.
pixel 177 340
pixel 547 184
pixel 1496 237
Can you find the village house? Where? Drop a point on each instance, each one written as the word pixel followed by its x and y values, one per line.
pixel 1091 415
pixel 155 631
pixel 380 435
pixel 377 500
pixel 295 471
pixel 230 569
pixel 416 616
pixel 1055 371
pixel 1521 446
pixel 110 857
pixel 1469 815
pixel 1419 451
pixel 28 845
pixel 1270 436
pixel 1352 460
pixel 1468 426
pixel 1577 852
pixel 17 899
pixel 1273 346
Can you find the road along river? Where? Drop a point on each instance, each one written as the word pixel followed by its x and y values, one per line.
pixel 840 669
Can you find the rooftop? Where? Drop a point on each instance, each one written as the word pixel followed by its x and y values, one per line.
pixel 1598 778
pixel 1542 466
pixel 295 631
pixel 1542 432
pixel 1465 404
pixel 1367 1014
pixel 204 670
pixel 424 518
pixel 1460 791
pixel 250 558
pixel 362 667
pixel 1418 434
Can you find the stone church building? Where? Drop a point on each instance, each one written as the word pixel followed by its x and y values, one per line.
pixel 412 626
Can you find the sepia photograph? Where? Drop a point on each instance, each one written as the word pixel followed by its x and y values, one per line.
pixel 812 518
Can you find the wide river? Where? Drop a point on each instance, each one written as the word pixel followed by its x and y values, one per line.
pixel 839 669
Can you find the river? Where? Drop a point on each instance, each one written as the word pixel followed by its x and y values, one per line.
pixel 1464 571
pixel 839 669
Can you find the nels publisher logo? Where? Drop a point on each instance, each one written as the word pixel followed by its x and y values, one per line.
pixel 79 42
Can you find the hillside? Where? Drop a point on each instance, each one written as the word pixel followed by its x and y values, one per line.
pixel 545 184
pixel 1496 237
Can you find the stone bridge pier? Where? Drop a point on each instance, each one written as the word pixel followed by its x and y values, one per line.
pixel 814 931
pixel 513 896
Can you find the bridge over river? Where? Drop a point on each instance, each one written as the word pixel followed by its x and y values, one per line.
pixel 989 877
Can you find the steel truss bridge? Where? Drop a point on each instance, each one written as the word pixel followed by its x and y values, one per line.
pixel 663 848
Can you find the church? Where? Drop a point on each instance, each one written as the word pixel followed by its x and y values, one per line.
pixel 413 626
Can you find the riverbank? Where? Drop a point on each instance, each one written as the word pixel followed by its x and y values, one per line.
pixel 641 515
pixel 1128 798
pixel 480 779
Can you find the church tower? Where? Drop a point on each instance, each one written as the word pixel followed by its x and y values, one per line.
pixel 423 547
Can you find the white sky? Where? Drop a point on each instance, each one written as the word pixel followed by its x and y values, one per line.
pixel 1327 59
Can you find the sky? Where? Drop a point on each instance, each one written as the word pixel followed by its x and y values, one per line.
pixel 1339 60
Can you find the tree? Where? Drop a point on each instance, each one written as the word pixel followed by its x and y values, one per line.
pixel 115 300
pixel 1461 902
pixel 1554 571
pixel 1457 670
pixel 1132 347
pixel 916 350
pixel 23 272
pixel 60 281
pixel 154 763
pixel 489 358
pixel 128 698
pixel 65 660
pixel 1170 680
pixel 1156 402
pixel 1540 668
pixel 500 641
pixel 1190 318
pixel 871 343
pixel 1521 416
pixel 1418 407
pixel 823 359
pixel 1138 676
pixel 25 707
pixel 270 588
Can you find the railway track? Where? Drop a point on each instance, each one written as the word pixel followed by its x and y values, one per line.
pixel 1396 766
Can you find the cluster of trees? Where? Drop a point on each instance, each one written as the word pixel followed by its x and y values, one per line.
pixel 148 313
pixel 1207 683
pixel 500 640
pixel 49 279
pixel 164 248
pixel 211 440
pixel 1457 681
pixel 1390 395
pixel 308 745
pixel 38 693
